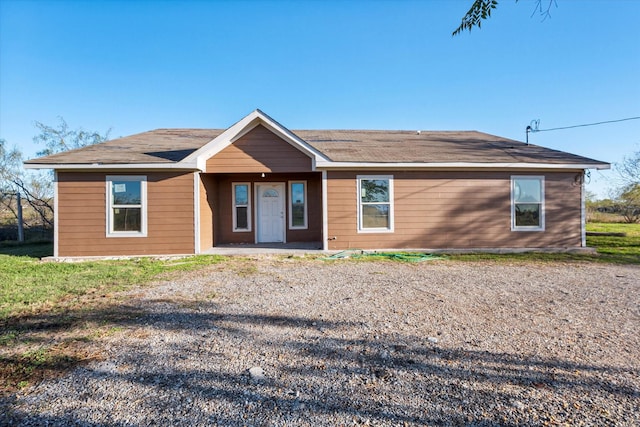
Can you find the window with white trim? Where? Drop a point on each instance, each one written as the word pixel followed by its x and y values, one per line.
pixel 241 206
pixel 527 203
pixel 375 203
pixel 126 206
pixel 297 205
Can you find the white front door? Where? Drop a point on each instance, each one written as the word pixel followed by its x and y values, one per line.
pixel 271 216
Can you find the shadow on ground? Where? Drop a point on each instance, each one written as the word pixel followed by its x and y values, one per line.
pixel 188 365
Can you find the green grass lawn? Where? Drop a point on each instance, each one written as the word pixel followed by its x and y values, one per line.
pixel 616 249
pixel 610 249
pixel 30 249
pixel 28 285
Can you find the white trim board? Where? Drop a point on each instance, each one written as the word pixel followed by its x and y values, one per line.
pixel 89 167
pixel 453 165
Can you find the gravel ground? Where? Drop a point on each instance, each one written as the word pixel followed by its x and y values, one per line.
pixel 274 342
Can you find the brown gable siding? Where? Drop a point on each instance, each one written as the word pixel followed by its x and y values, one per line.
pixel 454 210
pixel 260 150
pixel 82 216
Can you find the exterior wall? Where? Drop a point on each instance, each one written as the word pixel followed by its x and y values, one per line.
pixel 82 215
pixel 223 214
pixel 454 210
pixel 260 150
pixel 208 189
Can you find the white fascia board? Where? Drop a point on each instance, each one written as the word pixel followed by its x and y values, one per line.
pixel 100 166
pixel 454 165
pixel 241 128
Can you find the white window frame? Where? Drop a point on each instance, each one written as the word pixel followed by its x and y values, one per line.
pixel 306 222
pixel 391 203
pixel 515 227
pixel 234 206
pixel 110 206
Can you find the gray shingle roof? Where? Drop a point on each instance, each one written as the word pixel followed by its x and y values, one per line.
pixel 165 146
pixel 430 147
pixel 156 146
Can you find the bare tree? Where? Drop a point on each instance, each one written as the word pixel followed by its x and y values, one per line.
pixel 36 188
pixel 628 193
pixel 10 168
pixel 60 137
pixel 629 168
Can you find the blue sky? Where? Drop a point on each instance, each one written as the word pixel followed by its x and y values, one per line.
pixel 133 66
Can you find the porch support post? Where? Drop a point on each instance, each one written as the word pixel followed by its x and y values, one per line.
pixel 56 216
pixel 325 212
pixel 196 212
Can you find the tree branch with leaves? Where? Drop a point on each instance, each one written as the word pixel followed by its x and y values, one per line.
pixel 480 10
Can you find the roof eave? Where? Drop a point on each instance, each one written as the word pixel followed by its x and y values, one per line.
pixel 459 165
pixel 191 166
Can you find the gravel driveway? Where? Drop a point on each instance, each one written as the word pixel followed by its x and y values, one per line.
pixel 363 343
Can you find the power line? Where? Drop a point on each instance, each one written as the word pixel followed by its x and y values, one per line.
pixel 535 129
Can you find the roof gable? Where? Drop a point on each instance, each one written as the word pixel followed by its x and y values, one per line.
pixel 259 150
pixel 244 126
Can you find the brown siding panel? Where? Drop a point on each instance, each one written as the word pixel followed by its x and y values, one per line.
pixel 207 191
pixel 260 150
pixel 82 215
pixel 454 210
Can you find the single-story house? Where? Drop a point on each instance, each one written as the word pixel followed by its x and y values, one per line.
pixel 185 191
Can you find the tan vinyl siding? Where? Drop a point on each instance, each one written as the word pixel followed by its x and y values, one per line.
pixel 260 150
pixel 82 216
pixel 454 210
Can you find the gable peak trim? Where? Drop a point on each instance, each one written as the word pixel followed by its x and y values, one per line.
pixel 244 126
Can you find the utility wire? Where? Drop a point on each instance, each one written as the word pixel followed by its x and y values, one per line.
pixel 588 124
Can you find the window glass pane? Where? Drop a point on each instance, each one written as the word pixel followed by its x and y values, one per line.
pixel 297 193
pixel 528 190
pixel 127 219
pixel 297 204
pixel 527 214
pixel 374 190
pixel 242 219
pixel 126 192
pixel 270 193
pixel 375 216
pixel 297 216
pixel 242 194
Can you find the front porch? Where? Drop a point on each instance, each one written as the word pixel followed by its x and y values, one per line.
pixel 281 211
